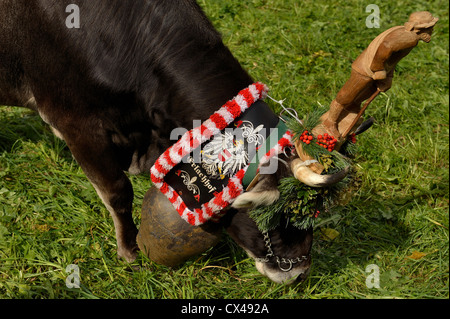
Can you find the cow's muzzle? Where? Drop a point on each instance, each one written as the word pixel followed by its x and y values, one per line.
pixel 289 270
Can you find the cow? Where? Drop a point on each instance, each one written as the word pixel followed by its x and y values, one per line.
pixel 115 86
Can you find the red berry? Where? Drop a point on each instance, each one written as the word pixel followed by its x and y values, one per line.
pixel 310 138
pixel 307 142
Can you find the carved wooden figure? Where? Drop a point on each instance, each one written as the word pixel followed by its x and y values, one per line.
pixel 373 70
pixel 372 73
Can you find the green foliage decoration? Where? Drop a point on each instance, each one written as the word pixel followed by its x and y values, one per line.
pixel 300 204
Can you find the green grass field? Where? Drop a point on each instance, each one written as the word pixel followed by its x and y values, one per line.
pixel 51 217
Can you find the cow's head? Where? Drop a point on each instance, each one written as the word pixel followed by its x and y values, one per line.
pixel 284 253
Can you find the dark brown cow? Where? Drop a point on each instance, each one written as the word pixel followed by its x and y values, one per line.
pixel 116 85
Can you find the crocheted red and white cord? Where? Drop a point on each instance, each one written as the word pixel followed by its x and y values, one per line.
pixel 194 138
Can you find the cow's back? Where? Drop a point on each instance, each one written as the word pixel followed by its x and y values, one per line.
pixel 135 69
pixel 13 90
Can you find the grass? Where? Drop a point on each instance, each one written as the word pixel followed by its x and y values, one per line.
pixel 50 216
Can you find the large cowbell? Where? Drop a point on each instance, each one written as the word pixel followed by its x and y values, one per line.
pixel 164 236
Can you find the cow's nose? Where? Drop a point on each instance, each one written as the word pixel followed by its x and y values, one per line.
pixel 301 277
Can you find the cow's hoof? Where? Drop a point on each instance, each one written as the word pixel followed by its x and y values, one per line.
pixel 129 255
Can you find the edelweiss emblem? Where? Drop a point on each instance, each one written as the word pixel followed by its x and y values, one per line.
pixel 226 154
pixel 251 134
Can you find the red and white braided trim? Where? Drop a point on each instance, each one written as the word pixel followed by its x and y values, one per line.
pixel 193 139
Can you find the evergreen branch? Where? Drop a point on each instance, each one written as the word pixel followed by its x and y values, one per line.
pixel 298 203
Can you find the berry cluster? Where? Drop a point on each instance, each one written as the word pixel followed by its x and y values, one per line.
pixel 306 137
pixel 326 141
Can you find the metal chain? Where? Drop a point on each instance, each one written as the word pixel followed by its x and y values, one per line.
pixel 289 261
pixel 289 110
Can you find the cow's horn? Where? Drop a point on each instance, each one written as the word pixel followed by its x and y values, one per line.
pixel 305 175
pixel 365 125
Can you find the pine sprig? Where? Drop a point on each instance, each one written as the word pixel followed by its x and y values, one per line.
pixel 298 204
pixel 308 123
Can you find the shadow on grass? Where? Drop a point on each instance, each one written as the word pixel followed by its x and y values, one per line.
pixel 377 231
pixel 366 229
pixel 380 231
pixel 20 124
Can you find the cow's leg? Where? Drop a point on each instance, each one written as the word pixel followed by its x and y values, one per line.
pixel 99 163
pixel 118 199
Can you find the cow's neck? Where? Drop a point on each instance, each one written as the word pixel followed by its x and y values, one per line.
pixel 189 72
pixel 194 71
pixel 207 82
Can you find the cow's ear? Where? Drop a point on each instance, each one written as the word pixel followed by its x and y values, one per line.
pixel 254 199
pixel 264 193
